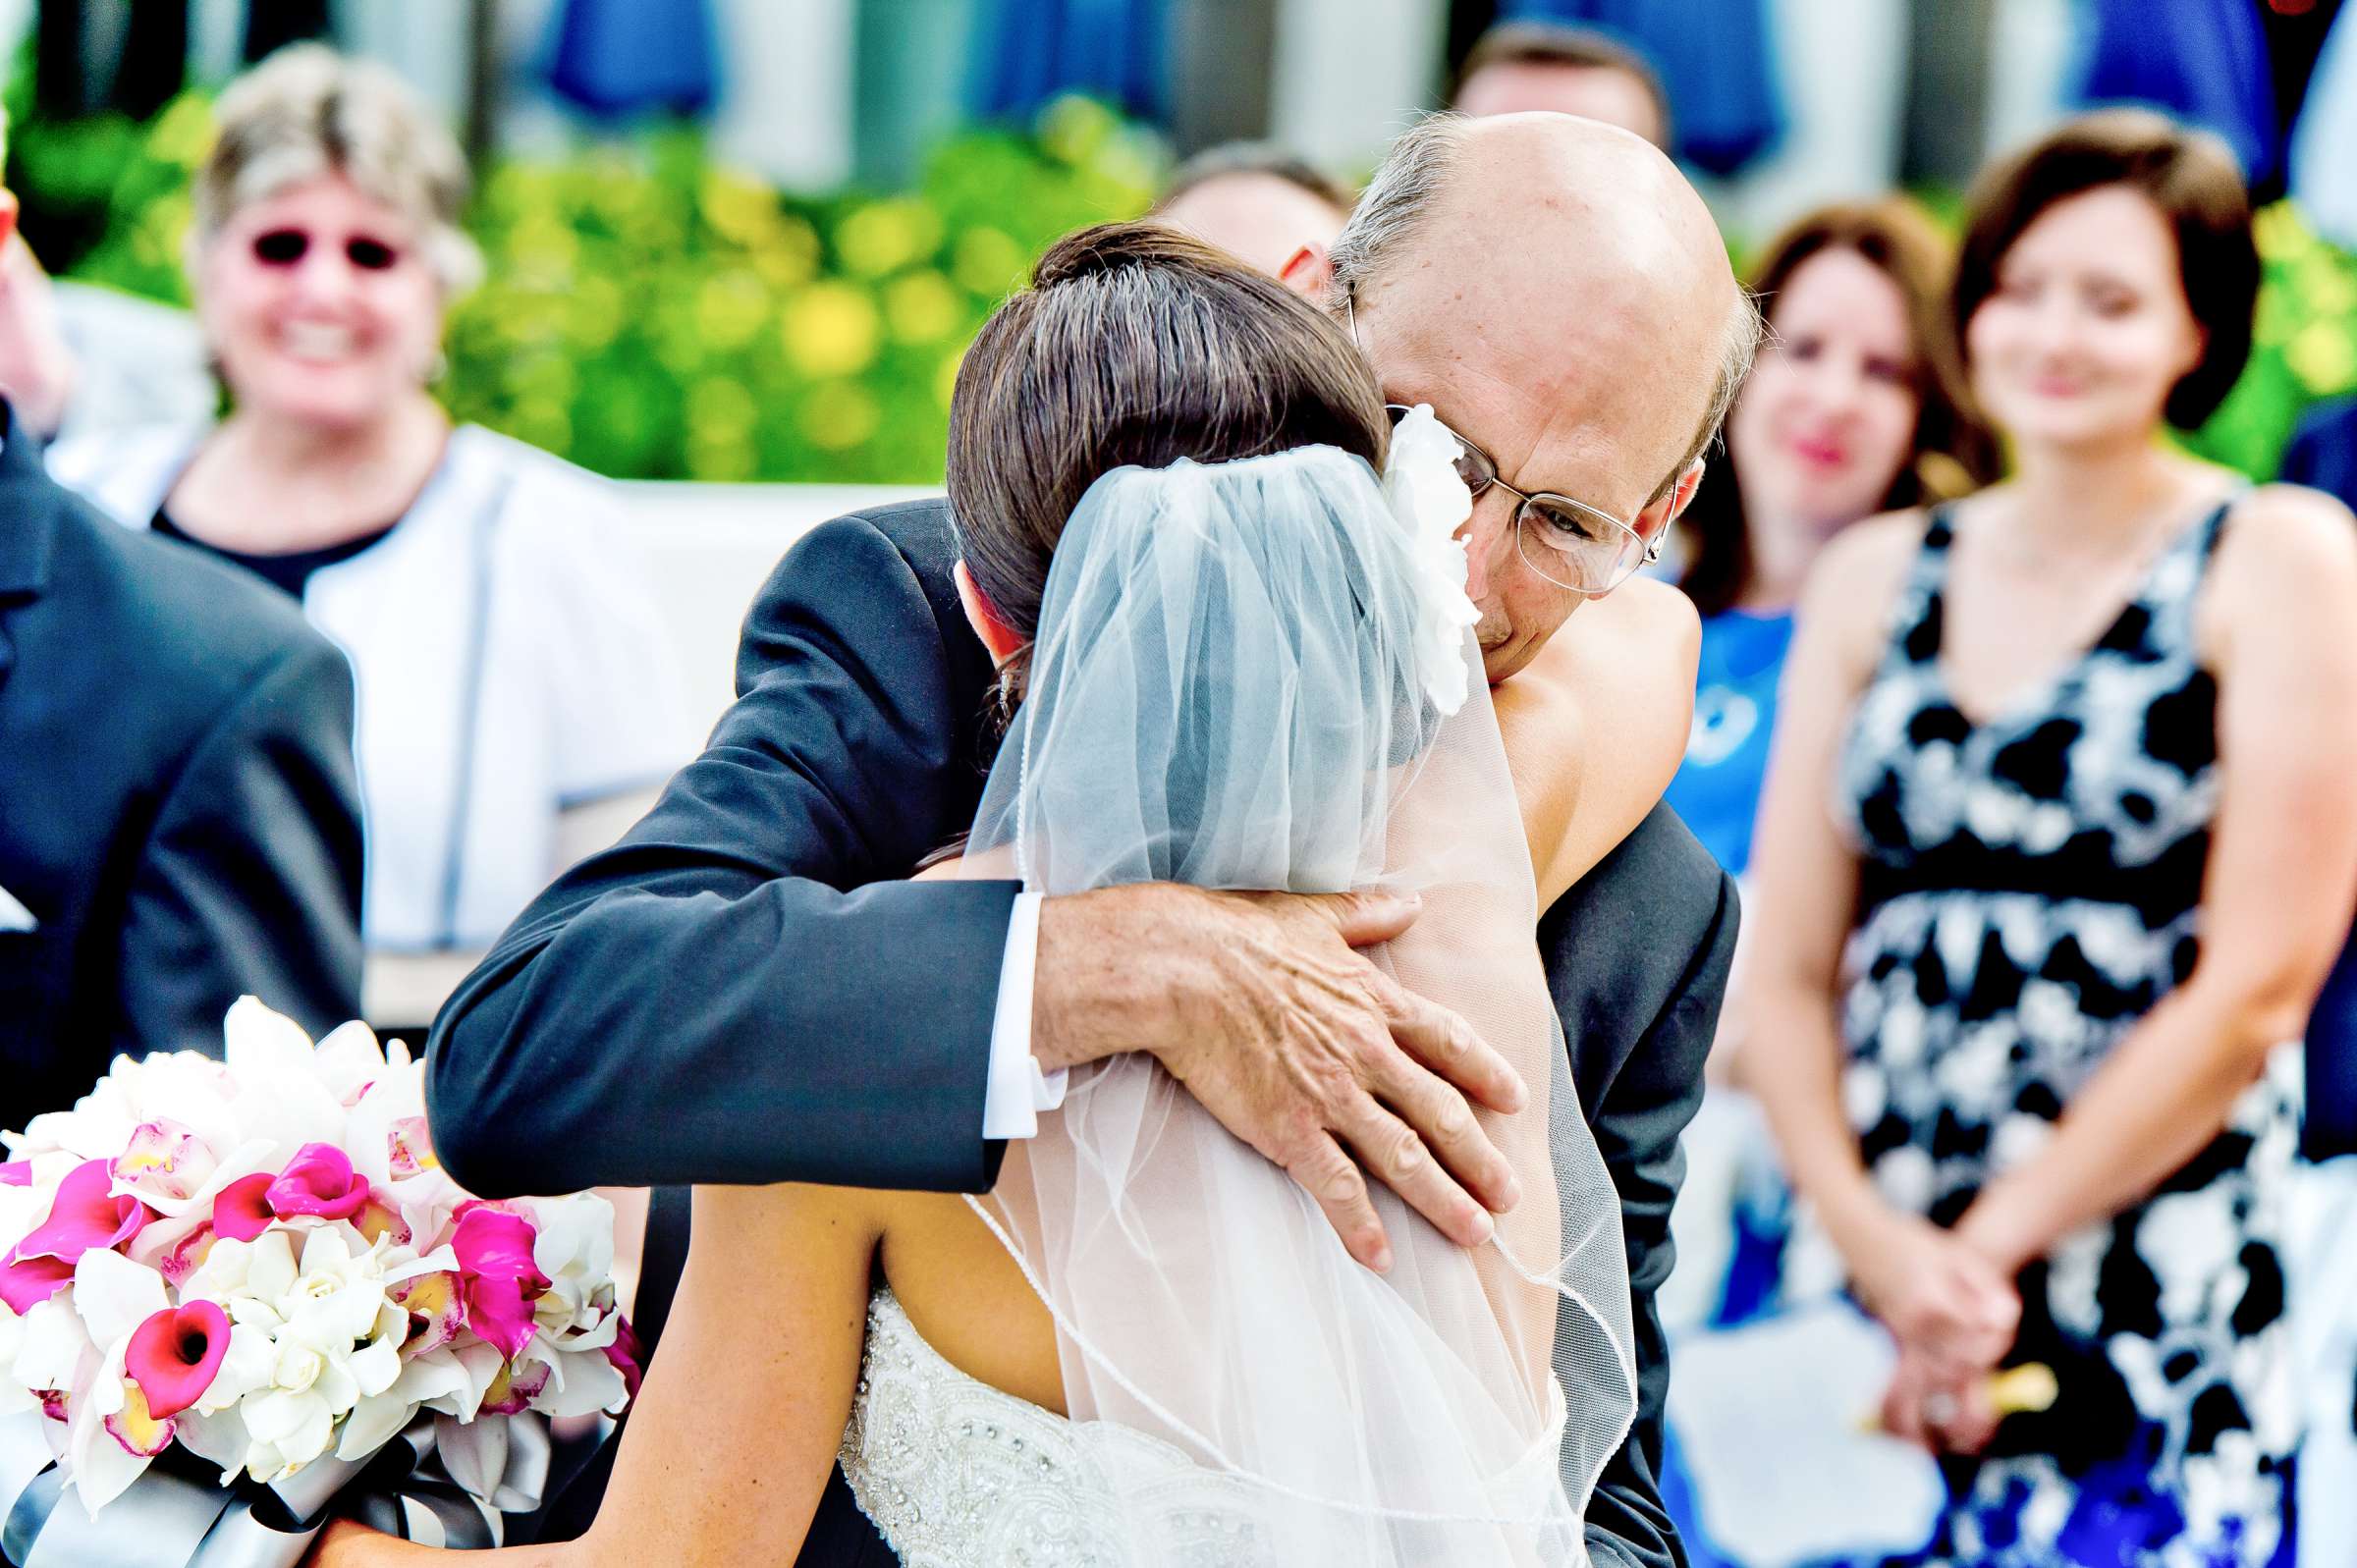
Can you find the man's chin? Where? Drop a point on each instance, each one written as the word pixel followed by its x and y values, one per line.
pixel 1498 663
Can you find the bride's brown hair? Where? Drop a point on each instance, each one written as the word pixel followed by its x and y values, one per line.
pixel 1135 345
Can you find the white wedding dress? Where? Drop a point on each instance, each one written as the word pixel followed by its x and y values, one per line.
pixel 959 1475
pixel 1260 674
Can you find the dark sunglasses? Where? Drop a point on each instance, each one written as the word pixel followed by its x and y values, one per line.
pixel 283 247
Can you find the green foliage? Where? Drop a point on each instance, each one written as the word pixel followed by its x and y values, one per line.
pixel 2304 345
pixel 651 314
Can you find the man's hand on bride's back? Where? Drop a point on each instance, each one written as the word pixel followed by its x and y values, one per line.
pixel 1259 1004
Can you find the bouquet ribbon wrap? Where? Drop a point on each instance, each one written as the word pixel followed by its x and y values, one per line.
pixel 180 1516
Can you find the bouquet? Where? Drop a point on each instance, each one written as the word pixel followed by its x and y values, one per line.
pixel 259 1262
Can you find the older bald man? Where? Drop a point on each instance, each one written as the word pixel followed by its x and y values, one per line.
pixel 745 991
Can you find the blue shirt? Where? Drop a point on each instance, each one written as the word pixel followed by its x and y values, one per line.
pixel 1717 790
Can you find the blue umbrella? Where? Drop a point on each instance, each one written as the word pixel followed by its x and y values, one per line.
pixel 1717 61
pixel 619 58
pixel 2204 61
pixel 1028 52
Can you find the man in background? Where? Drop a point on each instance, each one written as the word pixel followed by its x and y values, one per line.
pixel 1259 203
pixel 1521 66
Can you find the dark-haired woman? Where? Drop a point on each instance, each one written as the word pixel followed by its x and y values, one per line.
pixel 2058 842
pixel 1857 405
pixel 1250 652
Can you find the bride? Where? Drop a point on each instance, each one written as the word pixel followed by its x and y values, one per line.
pixel 1236 649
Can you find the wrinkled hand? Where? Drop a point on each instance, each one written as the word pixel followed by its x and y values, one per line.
pixel 1935 1411
pixel 1296 1042
pixel 1944 1301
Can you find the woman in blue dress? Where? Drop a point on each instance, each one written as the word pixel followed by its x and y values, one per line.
pixel 2059 844
pixel 1857 405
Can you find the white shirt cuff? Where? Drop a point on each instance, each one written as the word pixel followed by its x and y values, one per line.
pixel 1018 1090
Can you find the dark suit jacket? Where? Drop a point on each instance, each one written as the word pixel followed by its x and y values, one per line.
pixel 178 808
pixel 822 1023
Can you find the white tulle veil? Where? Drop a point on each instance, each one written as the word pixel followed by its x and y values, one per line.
pixel 1257 674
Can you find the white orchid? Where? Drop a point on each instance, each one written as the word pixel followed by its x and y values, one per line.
pixel 575 1248
pixel 1431 501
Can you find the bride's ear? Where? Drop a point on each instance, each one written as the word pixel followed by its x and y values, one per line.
pixel 999 638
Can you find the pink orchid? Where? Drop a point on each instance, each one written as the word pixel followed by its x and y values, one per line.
pixel 514 1389
pixel 16 1173
pixel 628 1356
pixel 497 1275
pixel 187 1255
pixel 84 1214
pixel 141 1431
pixel 242 1209
pixel 167 1155
pixel 319 1182
pixel 437 1307
pixel 173 1354
pixel 380 1220
pixel 407 1152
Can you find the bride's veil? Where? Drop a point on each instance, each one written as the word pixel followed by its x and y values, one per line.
pixel 1241 679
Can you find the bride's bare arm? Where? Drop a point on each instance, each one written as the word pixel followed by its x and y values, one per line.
pixel 730 1446
pixel 1596 724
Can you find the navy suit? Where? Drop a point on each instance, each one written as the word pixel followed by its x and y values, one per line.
pixel 739 992
pixel 178 808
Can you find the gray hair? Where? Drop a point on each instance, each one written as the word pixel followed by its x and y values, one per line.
pixel 1399 200
pixel 308 111
pixel 1746 328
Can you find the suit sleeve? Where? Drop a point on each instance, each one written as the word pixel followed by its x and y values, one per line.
pixel 731 993
pixel 250 881
pixel 1637 1127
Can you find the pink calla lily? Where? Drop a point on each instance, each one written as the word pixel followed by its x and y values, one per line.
pixel 173 1354
pixel 84 1214
pixel 24 1283
pixel 318 1183
pixel 628 1356
pixel 242 1209
pixel 497 1275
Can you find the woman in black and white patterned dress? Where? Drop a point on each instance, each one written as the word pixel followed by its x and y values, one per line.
pixel 2059 841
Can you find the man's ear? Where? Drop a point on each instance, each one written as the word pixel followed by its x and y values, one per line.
pixel 1003 641
pixel 1309 273
pixel 1664 512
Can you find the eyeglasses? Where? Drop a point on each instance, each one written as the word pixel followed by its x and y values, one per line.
pixel 1566 541
pixel 283 247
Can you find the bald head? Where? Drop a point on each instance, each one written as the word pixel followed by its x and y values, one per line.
pixel 1561 296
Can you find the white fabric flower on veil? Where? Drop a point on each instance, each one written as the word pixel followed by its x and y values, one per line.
pixel 1430 499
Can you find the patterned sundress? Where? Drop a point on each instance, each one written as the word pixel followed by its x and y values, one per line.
pixel 2029 889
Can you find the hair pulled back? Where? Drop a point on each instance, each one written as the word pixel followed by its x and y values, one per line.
pixel 1134 345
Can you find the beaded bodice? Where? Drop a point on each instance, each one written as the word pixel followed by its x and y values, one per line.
pixel 959 1474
